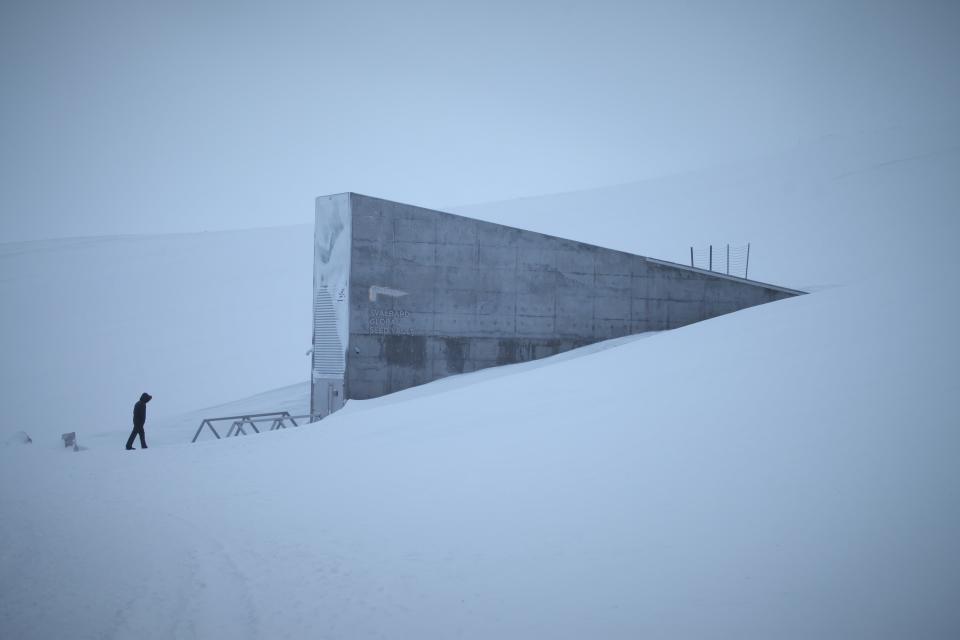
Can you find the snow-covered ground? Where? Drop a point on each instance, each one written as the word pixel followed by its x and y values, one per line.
pixel 785 471
pixel 204 319
pixel 196 319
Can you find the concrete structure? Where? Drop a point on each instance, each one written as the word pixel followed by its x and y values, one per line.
pixel 405 295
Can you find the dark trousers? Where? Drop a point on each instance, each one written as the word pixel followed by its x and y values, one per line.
pixel 137 430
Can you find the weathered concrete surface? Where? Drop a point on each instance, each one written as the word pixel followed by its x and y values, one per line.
pixel 432 294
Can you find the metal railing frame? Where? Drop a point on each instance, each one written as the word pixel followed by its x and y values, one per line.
pixel 746 269
pixel 277 420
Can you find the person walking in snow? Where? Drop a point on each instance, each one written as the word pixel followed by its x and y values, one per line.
pixel 139 418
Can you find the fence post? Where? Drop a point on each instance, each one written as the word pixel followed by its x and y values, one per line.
pixel 197 434
pixel 711 257
pixel 691 256
pixel 746 272
pixel 728 259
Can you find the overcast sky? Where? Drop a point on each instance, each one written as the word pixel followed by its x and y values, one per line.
pixel 132 117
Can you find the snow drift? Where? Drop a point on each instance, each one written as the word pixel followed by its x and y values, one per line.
pixel 788 470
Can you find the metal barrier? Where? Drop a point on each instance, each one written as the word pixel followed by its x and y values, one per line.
pixel 277 420
pixel 731 261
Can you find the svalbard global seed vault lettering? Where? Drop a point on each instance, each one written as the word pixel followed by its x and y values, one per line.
pixel 404 295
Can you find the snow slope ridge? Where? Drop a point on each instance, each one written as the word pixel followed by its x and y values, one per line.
pixel 831 211
pixel 451 383
pixel 784 471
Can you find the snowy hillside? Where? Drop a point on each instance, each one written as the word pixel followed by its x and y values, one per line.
pixel 831 211
pixel 785 471
pixel 788 470
pixel 204 319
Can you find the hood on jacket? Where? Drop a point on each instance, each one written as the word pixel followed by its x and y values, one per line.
pixel 146 397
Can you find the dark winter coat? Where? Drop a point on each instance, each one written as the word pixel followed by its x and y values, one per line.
pixel 140 410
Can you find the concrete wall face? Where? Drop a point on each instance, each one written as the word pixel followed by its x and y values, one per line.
pixel 433 294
